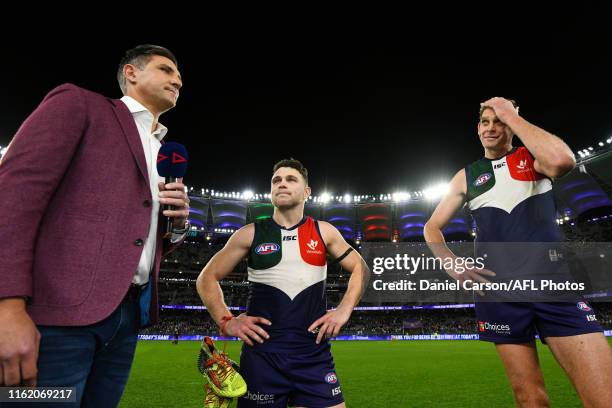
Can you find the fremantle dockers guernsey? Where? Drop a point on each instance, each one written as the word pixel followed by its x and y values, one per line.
pixel 510 201
pixel 287 272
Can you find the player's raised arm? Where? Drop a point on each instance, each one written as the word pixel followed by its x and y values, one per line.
pixel 553 157
pixel 331 323
pixel 207 284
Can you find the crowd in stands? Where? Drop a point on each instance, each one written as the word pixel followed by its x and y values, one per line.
pixel 181 268
pixel 363 322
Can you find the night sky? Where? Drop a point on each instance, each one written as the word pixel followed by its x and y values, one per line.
pixel 368 108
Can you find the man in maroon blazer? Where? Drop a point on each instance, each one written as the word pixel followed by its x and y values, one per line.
pixel 81 244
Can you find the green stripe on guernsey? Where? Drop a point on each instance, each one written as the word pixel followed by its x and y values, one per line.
pixel 480 178
pixel 267 248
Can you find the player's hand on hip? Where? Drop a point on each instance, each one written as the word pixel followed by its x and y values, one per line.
pixel 174 194
pixel 247 328
pixel 472 274
pixel 19 341
pixel 330 324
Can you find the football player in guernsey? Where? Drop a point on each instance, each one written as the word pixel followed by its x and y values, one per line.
pixel 509 194
pixel 286 356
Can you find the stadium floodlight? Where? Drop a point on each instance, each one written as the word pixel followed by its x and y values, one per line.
pixel 436 191
pixel 3 151
pixel 401 196
pixel 566 218
pixel 346 198
pixel 581 154
pixel 325 197
pixel 248 194
pixel 590 148
pixel 607 141
pixel 600 144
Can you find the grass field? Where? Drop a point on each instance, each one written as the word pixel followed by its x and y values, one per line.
pixel 373 374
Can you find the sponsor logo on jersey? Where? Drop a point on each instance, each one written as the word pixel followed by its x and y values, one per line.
pixel 499 165
pixel 312 247
pixel 290 238
pixel 262 399
pixel 483 178
pixel 523 167
pixel 331 378
pixel 494 327
pixel 583 306
pixel 591 318
pixel 312 244
pixel 267 248
pixel 336 391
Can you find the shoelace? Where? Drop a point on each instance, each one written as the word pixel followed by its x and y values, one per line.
pixel 222 372
pixel 212 398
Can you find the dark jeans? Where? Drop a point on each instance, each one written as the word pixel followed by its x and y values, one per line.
pixel 96 359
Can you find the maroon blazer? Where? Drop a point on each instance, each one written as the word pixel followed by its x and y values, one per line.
pixel 75 209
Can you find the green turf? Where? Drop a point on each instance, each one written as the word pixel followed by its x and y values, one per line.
pixel 373 374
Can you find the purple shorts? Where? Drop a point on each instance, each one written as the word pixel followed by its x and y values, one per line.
pixel 509 323
pixel 277 380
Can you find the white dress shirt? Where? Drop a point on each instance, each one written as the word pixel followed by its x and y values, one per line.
pixel 151 142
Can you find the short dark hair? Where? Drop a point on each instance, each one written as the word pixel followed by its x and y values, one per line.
pixel 483 107
pixel 140 57
pixel 294 164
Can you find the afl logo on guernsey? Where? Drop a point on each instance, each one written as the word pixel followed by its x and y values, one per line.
pixel 331 378
pixel 267 248
pixel 482 179
pixel 584 307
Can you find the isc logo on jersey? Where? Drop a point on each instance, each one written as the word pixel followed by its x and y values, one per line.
pixel 483 178
pixel 267 248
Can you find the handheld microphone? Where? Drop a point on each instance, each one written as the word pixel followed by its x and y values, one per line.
pixel 171 164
